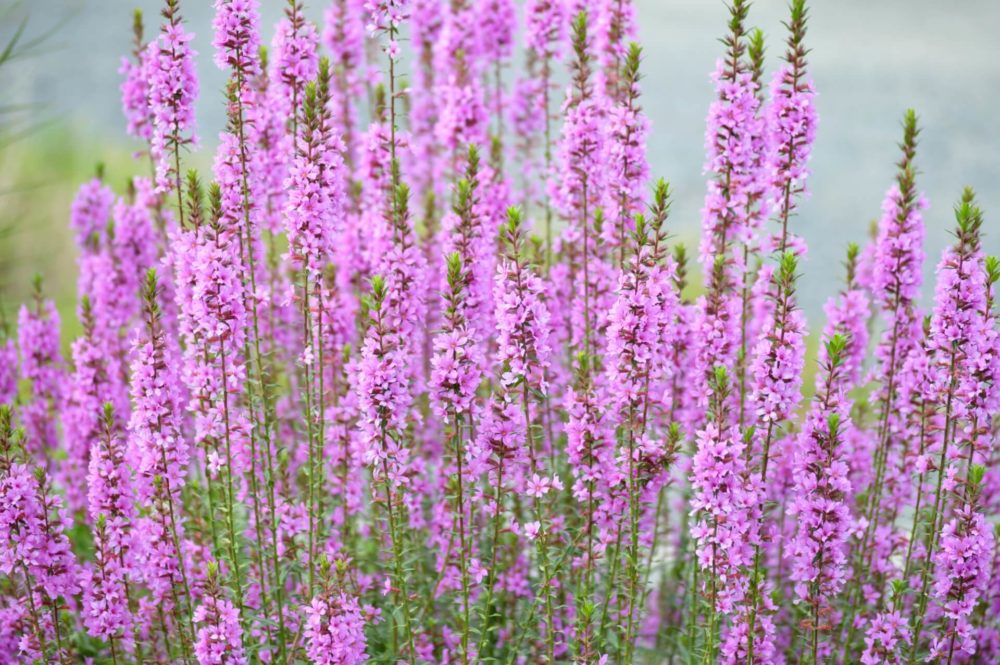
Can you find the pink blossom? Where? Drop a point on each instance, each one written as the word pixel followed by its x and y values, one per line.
pixel 334 630
pixel 173 88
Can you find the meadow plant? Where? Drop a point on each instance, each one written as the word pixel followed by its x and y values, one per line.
pixel 420 375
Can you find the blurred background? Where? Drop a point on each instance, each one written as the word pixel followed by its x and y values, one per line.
pixel 60 116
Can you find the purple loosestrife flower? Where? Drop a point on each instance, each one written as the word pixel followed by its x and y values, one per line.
pixel 344 38
pixel 497 22
pixel 544 36
pixel 154 428
pixel 114 257
pixel 107 614
pixel 17 634
pixel 899 251
pixel 955 330
pixel 579 194
pixel 157 442
pixel 962 568
pixel 462 115
pixel 469 231
pixel 522 317
pixel 102 282
pixel 236 207
pixel 294 59
pixel 776 374
pixel 336 317
pixel 335 624
pixel 105 270
pixel 463 118
pixel 384 391
pixel 315 210
pixel 735 154
pixel 716 333
pixel 640 323
pixel 134 245
pixel 523 359
pixel 9 370
pixel 500 446
pixel 791 119
pixel 527 116
pixel 987 398
pixel 109 483
pixel 626 151
pixel 470 426
pixel 495 196
pixel 457 365
pixel 735 648
pixel 823 458
pixel 582 150
pixel 458 52
pixel 821 489
pixel 173 88
pixel 390 349
pixel 220 316
pixel 135 85
pixel 614 27
pixel 42 366
pixel 722 511
pixel 34 547
pixel 640 327
pixel 732 157
pixel 183 246
pixel 899 254
pixel 90 212
pixel 316 206
pixel 385 383
pixel 374 228
pixel 545 27
pixel 48 558
pixel 884 638
pixel 344 455
pixel 761 303
pixel 269 155
pixel 335 631
pixel 778 358
pixel 96 380
pixel 219 640
pixel 385 15
pixel 405 268
pixel 726 509
pixel 961 335
pixel 987 637
pixel 428 161
pixel 896 279
pixel 237 35
pixel 678 399
pixel 590 440
pixel 847 315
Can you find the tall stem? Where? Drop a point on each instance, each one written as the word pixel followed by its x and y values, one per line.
pixel 463 563
pixel 934 531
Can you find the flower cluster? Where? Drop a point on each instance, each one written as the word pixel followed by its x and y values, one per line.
pixel 173 88
pixel 335 630
pixel 237 36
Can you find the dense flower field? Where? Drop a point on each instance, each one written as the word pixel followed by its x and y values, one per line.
pixel 416 374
